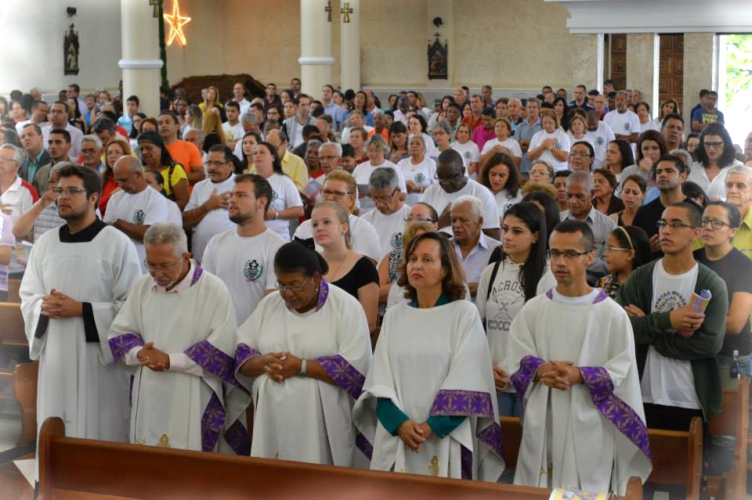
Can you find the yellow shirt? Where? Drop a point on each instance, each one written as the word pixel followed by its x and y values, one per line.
pixel 294 167
pixel 743 239
pixel 178 174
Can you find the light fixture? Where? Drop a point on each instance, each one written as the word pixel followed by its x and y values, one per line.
pixel 176 22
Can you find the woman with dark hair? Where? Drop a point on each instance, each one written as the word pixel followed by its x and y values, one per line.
pixel 155 155
pixel 287 204
pixel 562 112
pixel 627 248
pixel 360 103
pixel 618 157
pixel 642 110
pixel 503 143
pixel 500 176
pixel 518 272
pixel 714 153
pixel 250 141
pixel 418 170
pixel 392 101
pixel 417 125
pixel 548 207
pixel 290 372
pixel 397 142
pixel 695 193
pixel 633 190
pixel 116 149
pixel 650 146
pixel 604 199
pixel 440 116
pixel 432 352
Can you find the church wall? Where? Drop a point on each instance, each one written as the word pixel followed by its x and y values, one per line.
pixel 33 32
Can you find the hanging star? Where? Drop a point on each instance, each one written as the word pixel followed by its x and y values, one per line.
pixel 176 22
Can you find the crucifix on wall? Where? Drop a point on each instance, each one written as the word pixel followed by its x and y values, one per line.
pixel 328 10
pixel 347 10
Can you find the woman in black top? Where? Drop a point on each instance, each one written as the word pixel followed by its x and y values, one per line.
pixel 348 270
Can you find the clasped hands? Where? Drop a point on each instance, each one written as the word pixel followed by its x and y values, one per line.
pixel 683 319
pixel 413 434
pixel 153 358
pixel 57 305
pixel 281 365
pixel 560 375
pixel 501 379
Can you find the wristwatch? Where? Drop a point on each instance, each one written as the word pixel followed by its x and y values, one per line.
pixel 303 372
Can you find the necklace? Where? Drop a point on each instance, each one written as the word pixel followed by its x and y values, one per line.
pixel 332 276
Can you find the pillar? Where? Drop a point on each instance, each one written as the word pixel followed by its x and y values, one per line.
pixel 700 70
pixel 587 65
pixel 643 57
pixel 141 64
pixel 350 46
pixel 315 46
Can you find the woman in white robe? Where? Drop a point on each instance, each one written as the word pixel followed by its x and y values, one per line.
pixel 303 354
pixel 429 404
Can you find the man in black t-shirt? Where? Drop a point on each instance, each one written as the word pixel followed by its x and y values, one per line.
pixel 719 224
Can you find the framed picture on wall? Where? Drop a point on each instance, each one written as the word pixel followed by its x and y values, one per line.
pixel 70 49
pixel 438 59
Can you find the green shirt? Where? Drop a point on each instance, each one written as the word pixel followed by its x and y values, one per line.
pixel 743 239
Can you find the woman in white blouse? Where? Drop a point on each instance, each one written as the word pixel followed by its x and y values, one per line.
pixel 551 143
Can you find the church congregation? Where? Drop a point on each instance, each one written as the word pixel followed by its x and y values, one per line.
pixel 380 279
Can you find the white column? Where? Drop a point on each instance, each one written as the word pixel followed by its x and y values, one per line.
pixel 315 46
pixel 350 46
pixel 141 64
pixel 643 59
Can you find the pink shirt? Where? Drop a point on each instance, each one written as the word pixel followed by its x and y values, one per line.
pixel 481 135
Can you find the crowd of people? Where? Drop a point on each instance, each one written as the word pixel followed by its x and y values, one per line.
pixel 382 280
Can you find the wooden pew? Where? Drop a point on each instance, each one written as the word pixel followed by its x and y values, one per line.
pixel 24 375
pixel 732 421
pixel 82 468
pixel 677 456
pixel 14 285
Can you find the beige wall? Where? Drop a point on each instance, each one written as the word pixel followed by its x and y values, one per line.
pixel 486 46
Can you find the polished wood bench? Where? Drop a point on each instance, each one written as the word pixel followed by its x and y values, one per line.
pixel 677 456
pixel 89 469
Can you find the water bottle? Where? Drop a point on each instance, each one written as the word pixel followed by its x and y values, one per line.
pixel 734 371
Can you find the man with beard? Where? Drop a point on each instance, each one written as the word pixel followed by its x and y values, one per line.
pixel 243 258
pixel 77 278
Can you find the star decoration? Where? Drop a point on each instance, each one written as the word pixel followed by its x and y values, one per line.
pixel 176 22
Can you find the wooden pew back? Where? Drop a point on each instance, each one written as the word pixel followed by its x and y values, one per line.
pixel 69 466
pixel 12 325
pixel 14 285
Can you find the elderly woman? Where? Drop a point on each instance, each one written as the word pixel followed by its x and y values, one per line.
pixel 417 170
pixel 377 150
pixel 633 192
pixel 340 187
pixel 550 144
pixel 287 204
pixel 500 176
pixel 304 352
pixel 442 135
pixel 714 153
pixel 604 199
pixel 429 404
pixel 503 143
pixel 542 172
pixel 155 155
pixel 349 270
pixel 467 149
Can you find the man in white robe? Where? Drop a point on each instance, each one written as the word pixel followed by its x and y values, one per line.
pixel 175 333
pixel 573 357
pixel 76 280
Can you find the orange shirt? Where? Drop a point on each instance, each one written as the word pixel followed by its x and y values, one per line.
pixel 187 154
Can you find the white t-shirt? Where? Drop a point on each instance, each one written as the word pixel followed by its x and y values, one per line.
pixel 421 174
pixel 233 132
pixel 363 237
pixel 19 199
pixel 599 139
pixel 439 199
pixel 512 145
pixel 174 214
pixel 389 227
pixel 284 196
pixel 504 201
pixel 624 124
pixel 562 143
pixel 362 175
pixel 669 381
pixel 216 221
pixel 469 152
pixel 144 208
pixel 245 265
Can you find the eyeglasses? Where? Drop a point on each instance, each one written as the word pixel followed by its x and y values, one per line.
pixel 298 287
pixel 617 249
pixel 713 145
pixel 410 218
pixel 580 154
pixel 5 158
pixel 68 191
pixel 384 199
pixel 674 224
pixel 162 267
pixel 566 254
pixel 714 223
pixel 215 163
pixel 334 194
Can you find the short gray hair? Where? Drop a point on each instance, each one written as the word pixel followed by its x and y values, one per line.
pixel 92 138
pixel 418 136
pixel 585 177
pixel 337 147
pixel 313 144
pixel 17 152
pixel 476 207
pixel 384 178
pixel 379 142
pixel 200 133
pixel 741 169
pixel 249 118
pixel 443 125
pixel 162 233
